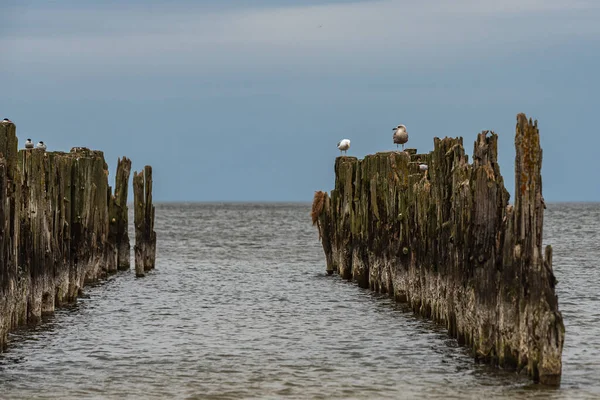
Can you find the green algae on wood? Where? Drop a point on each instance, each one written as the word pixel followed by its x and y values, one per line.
pixel 447 242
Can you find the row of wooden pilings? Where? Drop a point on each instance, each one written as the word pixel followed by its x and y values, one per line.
pixel 62 226
pixel 446 241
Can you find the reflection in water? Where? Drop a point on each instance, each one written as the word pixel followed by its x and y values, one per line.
pixel 240 306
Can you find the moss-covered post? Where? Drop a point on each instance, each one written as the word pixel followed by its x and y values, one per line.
pixel 145 237
pixel 543 326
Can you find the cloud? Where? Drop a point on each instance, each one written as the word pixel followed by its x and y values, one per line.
pixel 355 35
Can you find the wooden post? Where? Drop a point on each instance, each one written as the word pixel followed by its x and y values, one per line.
pixel 150 259
pixel 145 237
pixel 119 215
pixel 543 325
pixel 6 264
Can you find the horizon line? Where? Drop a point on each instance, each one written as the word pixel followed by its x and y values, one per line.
pixel 310 201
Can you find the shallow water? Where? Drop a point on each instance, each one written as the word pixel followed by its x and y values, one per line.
pixel 240 307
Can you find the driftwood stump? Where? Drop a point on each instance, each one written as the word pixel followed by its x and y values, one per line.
pixel 145 237
pixel 447 242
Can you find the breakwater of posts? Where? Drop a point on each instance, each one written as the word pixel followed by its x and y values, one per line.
pixel 447 241
pixel 61 227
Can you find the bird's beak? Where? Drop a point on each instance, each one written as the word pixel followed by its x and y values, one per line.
pixel 395 129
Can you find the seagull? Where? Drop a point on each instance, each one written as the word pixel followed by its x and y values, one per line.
pixel 400 135
pixel 343 145
pixel 8 121
pixel 423 167
pixel 41 145
pixel 28 144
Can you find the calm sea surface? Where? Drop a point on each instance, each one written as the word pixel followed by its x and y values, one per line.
pixel 240 307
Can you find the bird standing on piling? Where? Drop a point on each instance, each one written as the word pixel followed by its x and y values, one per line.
pixel 400 135
pixel 28 144
pixel 343 145
pixel 41 145
pixel 8 121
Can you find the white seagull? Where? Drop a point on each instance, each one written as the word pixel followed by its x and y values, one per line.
pixel 423 167
pixel 400 135
pixel 28 144
pixel 41 145
pixel 343 145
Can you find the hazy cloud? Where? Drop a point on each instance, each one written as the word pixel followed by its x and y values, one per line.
pixel 387 33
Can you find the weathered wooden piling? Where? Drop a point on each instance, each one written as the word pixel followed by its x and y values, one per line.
pixel 145 237
pixel 447 242
pixel 119 215
pixel 55 236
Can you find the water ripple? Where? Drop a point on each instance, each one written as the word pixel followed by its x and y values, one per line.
pixel 240 307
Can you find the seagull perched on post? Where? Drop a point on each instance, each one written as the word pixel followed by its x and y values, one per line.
pixel 28 144
pixel 400 135
pixel 343 145
pixel 6 120
pixel 41 145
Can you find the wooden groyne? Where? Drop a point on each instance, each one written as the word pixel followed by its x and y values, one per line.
pixel 446 241
pixel 61 227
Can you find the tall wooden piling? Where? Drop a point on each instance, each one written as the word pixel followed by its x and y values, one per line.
pixel 54 227
pixel 447 242
pixel 145 236
pixel 119 215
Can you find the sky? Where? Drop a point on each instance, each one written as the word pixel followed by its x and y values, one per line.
pixel 233 100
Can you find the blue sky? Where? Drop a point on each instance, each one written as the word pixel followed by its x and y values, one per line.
pixel 245 100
